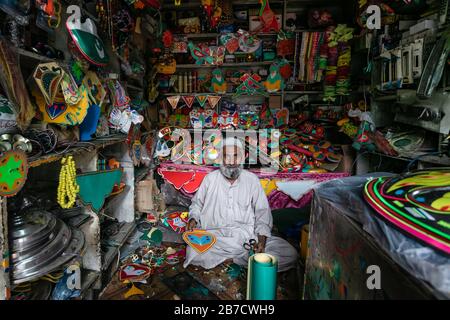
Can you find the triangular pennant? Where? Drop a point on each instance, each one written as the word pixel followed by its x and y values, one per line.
pixel 189 100
pixel 213 101
pixel 173 100
pixel 202 100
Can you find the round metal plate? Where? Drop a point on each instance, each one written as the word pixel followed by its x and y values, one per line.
pixel 67 244
pixel 33 229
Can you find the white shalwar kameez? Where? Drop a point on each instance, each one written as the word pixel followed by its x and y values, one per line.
pixel 235 213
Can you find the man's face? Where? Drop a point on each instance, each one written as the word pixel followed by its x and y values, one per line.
pixel 231 156
pixel 232 162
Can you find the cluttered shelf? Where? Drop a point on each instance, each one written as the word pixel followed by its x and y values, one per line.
pixel 88 279
pixel 198 4
pixel 225 65
pixel 230 94
pixel 91 146
pixel 424 157
pixel 116 242
pixel 38 57
pixel 215 35
pixel 135 88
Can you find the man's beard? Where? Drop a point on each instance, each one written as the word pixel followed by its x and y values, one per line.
pixel 231 172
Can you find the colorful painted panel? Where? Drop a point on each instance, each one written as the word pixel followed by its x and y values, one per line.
pixel 342 258
pixel 417 203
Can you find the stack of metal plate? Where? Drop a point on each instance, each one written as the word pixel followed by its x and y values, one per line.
pixel 40 244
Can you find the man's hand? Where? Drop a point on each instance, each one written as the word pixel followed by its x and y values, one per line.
pixel 191 224
pixel 261 245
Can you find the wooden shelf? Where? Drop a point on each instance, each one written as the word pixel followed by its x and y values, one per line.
pixel 302 92
pixel 197 4
pixel 253 2
pixel 215 35
pixel 130 86
pixel 95 145
pixel 433 159
pixel 118 240
pixel 197 35
pixel 88 279
pixel 225 65
pixel 230 94
pixel 25 53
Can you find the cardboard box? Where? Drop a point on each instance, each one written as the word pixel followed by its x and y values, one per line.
pixel 148 197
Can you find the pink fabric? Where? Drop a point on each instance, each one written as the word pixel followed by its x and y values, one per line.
pixel 280 200
pixel 277 199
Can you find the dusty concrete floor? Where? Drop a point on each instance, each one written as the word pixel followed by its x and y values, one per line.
pixel 173 282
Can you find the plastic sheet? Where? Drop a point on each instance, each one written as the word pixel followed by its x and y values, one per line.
pixel 424 263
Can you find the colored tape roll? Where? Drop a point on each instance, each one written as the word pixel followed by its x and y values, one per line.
pixel 262 277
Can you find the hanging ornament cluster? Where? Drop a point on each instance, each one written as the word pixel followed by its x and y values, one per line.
pixel 337 76
pixel 189 100
pixel 68 187
pixel 343 69
pixel 331 70
pixel 251 85
pixel 57 95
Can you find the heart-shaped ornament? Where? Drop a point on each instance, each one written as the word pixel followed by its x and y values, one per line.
pixel 199 240
pixel 134 272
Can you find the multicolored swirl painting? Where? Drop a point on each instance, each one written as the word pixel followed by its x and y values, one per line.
pixel 418 203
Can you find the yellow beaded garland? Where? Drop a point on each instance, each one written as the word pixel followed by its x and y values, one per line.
pixel 68 187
